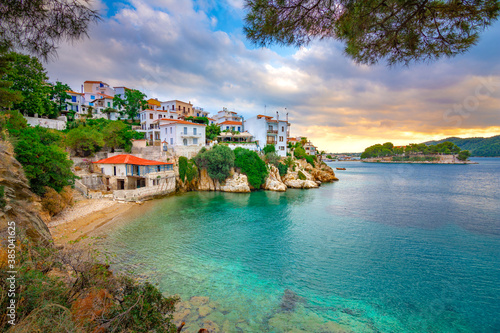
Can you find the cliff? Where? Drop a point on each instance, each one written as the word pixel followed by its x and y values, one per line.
pixel 21 205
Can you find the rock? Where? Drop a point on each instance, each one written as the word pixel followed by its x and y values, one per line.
pixel 204 310
pixel 199 300
pixel 291 179
pixel 211 326
pixel 289 300
pixel 22 205
pixel 238 183
pixel 205 183
pixel 273 181
pixel 324 175
pixel 181 316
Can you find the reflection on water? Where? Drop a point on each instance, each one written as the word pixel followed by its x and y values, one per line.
pixel 391 248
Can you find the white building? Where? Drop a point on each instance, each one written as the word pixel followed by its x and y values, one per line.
pixel 182 137
pixel 75 103
pixel 267 130
pixel 226 115
pixel 234 126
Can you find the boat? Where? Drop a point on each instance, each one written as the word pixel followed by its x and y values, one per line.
pixel 340 168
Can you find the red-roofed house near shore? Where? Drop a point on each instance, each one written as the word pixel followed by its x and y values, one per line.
pixel 128 172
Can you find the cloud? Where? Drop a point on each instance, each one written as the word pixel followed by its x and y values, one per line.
pixel 195 51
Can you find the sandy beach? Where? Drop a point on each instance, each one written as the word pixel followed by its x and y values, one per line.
pixel 84 218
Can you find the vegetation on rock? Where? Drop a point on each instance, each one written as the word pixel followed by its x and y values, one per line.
pixel 251 165
pixel 218 161
pixel 409 152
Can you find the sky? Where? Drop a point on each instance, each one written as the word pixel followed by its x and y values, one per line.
pixel 196 51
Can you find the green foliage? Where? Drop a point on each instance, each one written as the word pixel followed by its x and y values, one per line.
pixel 310 159
pixel 484 147
pixel 132 103
pixel 251 165
pixel 7 95
pixel 183 162
pixel 29 77
pixel 12 121
pixel 212 131
pixel 300 152
pixel 84 141
pixel 272 158
pixel 3 202
pixel 395 31
pixel 114 135
pixel 59 95
pixel 269 148
pixel 198 120
pixel 301 175
pixel 388 149
pixel 289 162
pixel 218 161
pixel 464 155
pixel 44 162
pixel 282 168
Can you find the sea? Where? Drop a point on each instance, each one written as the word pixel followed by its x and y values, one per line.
pixel 387 248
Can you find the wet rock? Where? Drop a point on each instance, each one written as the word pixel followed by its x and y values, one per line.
pixel 204 310
pixel 198 300
pixel 273 181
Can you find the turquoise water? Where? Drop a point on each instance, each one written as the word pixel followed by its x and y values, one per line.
pixel 388 248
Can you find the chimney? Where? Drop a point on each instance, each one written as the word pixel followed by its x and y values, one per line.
pixel 277 116
pixel 287 117
pixel 242 124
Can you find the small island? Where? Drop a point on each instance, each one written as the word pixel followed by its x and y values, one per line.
pixel 441 153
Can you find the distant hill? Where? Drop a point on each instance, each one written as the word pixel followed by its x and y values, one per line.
pixel 482 147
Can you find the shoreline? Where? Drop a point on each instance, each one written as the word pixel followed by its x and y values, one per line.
pixel 422 162
pixel 85 217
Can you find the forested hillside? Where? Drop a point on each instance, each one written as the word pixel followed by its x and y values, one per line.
pixel 483 147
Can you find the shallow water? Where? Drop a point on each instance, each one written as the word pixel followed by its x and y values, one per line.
pixel 389 248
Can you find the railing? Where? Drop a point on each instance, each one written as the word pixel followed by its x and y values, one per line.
pixel 272 131
pixel 188 135
pixel 271 142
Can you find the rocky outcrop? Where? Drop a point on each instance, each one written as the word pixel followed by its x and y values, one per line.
pixel 324 174
pixel 237 183
pixel 21 205
pixel 273 181
pixel 291 179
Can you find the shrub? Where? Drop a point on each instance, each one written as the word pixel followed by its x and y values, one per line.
pixel 3 202
pixel 299 152
pixel 272 158
pixel 464 155
pixel 183 161
pixel 52 202
pixel 269 149
pixel 84 141
pixel 310 160
pixel 302 176
pixel 251 165
pixel 282 168
pixel 218 161
pixel 67 196
pixel 192 171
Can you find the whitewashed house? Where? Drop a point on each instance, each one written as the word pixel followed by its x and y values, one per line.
pixel 181 137
pixel 234 126
pixel 267 130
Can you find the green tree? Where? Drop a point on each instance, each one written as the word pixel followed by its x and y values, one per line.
pixel 299 152
pixel 212 131
pixel 59 95
pixel 38 26
pixel 108 111
pixel 7 95
pixel 29 77
pixel 269 148
pixel 218 161
pixel 463 155
pixel 251 165
pixel 198 120
pixel 44 162
pixel 132 103
pixel 84 141
pixel 113 135
pixel 398 31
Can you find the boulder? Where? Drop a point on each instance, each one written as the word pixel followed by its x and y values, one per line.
pixel 238 183
pixel 273 181
pixel 324 174
pixel 291 179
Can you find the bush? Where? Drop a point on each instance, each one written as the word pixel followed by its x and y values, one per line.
pixel 52 202
pixel 44 162
pixel 299 152
pixel 183 161
pixel 464 155
pixel 251 165
pixel 302 176
pixel 84 141
pixel 282 168
pixel 272 158
pixel 269 149
pixel 187 169
pixel 192 171
pixel 310 159
pixel 218 161
pixel 3 202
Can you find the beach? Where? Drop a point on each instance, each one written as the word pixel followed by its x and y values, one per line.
pixel 85 217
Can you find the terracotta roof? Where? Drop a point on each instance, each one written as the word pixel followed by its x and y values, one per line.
pixel 153 101
pixel 129 159
pixel 211 119
pixel 178 121
pixel 95 82
pixel 228 122
pixel 105 96
pixel 73 92
pixel 262 116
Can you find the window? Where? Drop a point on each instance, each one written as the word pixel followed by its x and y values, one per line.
pixel 92 97
pixel 114 170
pixel 163 108
pixel 195 141
pixel 159 116
pixel 184 109
pixel 282 148
pixel 239 129
pixel 171 130
pixel 171 141
pixel 166 129
pixel 281 139
pixel 150 116
pixel 282 128
pixel 185 142
pixel 109 104
pixel 194 131
pixel 185 130
pixel 73 99
pixel 77 108
pixel 91 104
pixel 227 127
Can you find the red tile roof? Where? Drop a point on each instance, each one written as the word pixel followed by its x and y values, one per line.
pixel 129 159
pixel 105 96
pixel 228 122
pixel 73 92
pixel 178 121
pixel 262 116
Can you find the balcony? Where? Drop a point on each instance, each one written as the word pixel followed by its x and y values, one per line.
pixel 271 142
pixel 275 132
pixel 190 135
